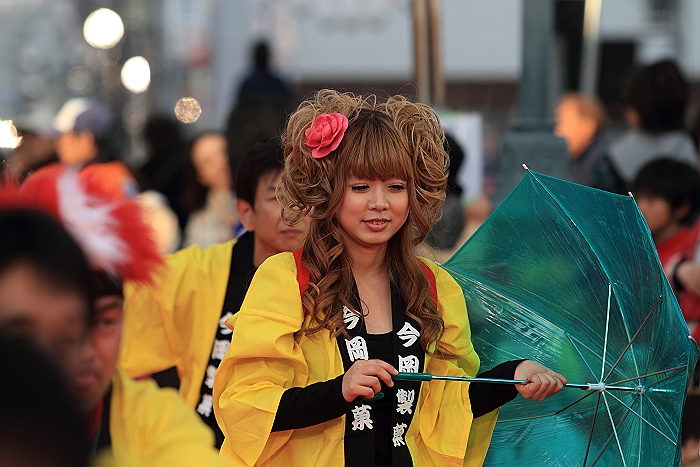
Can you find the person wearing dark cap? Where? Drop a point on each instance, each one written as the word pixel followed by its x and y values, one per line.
pixel 86 136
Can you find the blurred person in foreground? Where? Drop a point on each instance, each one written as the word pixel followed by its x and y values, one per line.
pixel 668 194
pixel 128 422
pixel 37 409
pixel 208 195
pixel 579 120
pixel 656 96
pixel 180 322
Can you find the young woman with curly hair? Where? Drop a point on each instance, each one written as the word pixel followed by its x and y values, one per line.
pixel 307 379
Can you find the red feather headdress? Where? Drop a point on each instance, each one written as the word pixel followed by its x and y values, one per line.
pixel 111 232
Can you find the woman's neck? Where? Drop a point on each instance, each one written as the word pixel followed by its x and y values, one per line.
pixel 369 262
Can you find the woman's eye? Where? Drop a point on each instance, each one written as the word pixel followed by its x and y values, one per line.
pixel 360 188
pixel 397 187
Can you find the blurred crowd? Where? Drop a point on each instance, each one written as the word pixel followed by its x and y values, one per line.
pixel 85 239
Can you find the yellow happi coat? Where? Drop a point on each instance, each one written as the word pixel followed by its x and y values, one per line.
pixel 268 354
pixel 152 427
pixel 173 323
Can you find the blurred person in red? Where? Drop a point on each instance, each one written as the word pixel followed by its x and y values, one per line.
pixel 668 194
pixel 129 422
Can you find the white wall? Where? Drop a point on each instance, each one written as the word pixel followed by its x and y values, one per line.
pixel 482 40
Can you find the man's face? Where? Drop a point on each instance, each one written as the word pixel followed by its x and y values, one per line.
pixel 576 129
pixel 100 351
pixel 272 236
pixel 54 318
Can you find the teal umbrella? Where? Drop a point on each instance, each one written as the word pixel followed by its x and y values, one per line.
pixel 569 276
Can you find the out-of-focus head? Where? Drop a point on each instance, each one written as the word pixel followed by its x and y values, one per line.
pixel 45 284
pixel 657 95
pixel 668 194
pixel 119 247
pixel 210 161
pixel 82 124
pixel 392 139
pixel 39 423
pixel 578 118
pixel 258 208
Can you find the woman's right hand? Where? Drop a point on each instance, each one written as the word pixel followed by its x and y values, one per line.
pixel 364 378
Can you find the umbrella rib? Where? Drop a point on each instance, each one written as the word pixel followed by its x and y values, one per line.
pixel 580 354
pixel 594 353
pixel 677 369
pixel 590 393
pixel 629 345
pixel 641 418
pixel 658 412
pixel 655 330
pixel 612 424
pixel 590 435
pixel 609 440
pixel 607 328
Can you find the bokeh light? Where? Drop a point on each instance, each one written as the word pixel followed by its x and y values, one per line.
pixel 8 135
pixel 188 110
pixel 136 74
pixel 103 28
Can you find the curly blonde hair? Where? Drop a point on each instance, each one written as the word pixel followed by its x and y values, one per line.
pixel 392 139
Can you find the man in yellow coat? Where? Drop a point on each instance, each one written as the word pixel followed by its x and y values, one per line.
pixel 179 323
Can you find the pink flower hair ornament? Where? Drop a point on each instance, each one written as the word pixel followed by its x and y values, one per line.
pixel 325 134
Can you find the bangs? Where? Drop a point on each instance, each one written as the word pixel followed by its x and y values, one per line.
pixel 377 150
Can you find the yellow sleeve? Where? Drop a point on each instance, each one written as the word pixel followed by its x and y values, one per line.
pixel 263 360
pixel 445 404
pixel 153 427
pixel 173 323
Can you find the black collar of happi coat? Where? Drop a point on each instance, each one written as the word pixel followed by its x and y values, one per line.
pixel 408 356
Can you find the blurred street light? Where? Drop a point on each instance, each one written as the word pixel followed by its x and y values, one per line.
pixel 136 74
pixel 8 135
pixel 103 28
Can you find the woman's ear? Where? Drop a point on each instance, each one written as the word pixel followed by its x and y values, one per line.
pixel 246 214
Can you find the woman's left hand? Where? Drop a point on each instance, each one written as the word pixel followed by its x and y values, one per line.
pixel 543 382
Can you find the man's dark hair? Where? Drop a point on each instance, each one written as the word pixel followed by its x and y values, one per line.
pixel 37 239
pixel 674 181
pixel 264 157
pixel 659 93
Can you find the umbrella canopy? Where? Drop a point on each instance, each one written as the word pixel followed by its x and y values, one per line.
pixel 569 276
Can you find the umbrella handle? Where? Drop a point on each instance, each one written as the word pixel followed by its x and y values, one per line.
pixel 401 376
